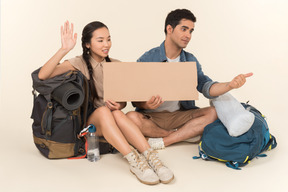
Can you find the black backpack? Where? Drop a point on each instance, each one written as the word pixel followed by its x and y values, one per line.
pixel 59 115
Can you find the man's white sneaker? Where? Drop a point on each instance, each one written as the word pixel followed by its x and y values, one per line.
pixel 194 140
pixel 165 175
pixel 156 143
pixel 140 168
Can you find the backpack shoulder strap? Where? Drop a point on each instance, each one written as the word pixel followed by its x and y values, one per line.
pixel 86 99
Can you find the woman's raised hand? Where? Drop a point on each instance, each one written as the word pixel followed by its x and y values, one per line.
pixel 68 39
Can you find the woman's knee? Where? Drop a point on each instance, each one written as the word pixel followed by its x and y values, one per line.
pixel 118 114
pixel 135 117
pixel 100 114
pixel 102 110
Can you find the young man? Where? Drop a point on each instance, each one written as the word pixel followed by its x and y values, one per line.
pixel 174 121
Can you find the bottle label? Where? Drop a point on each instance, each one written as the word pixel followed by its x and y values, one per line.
pixel 93 155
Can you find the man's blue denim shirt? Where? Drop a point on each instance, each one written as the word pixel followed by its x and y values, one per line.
pixel 158 54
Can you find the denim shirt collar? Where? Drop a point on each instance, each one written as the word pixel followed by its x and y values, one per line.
pixel 163 57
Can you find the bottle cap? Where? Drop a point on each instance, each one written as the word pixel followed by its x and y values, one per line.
pixel 92 128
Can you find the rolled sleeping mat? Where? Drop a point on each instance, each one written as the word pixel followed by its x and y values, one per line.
pixel 69 96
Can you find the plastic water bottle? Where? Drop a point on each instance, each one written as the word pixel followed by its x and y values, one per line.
pixel 93 153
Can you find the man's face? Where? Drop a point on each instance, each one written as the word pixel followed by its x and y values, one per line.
pixel 182 33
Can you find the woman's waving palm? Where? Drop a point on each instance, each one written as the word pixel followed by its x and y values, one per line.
pixel 68 40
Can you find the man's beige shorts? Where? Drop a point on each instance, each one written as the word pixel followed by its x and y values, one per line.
pixel 170 120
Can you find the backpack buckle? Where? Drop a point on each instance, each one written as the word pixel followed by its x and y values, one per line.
pixel 50 105
pixel 83 132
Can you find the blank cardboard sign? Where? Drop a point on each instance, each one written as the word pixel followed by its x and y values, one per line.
pixel 139 81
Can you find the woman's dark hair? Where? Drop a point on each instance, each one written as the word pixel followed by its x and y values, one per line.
pixel 87 34
pixel 174 17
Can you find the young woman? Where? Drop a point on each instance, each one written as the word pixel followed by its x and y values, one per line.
pixel 111 123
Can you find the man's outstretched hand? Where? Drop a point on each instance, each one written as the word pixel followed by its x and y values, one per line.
pixel 239 80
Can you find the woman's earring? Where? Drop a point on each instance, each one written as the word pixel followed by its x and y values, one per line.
pixel 88 52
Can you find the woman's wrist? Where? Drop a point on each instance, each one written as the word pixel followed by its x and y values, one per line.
pixel 63 51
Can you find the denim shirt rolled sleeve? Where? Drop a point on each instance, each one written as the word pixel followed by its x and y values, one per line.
pixel 206 89
pixel 204 82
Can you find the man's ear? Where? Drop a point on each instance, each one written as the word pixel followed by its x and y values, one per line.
pixel 169 29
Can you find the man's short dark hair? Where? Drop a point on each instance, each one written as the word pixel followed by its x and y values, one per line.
pixel 174 17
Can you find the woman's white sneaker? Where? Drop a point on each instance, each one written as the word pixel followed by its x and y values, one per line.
pixel 140 168
pixel 165 175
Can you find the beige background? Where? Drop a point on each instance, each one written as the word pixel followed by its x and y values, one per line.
pixel 231 37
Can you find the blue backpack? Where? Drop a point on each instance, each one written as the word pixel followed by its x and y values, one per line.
pixel 217 144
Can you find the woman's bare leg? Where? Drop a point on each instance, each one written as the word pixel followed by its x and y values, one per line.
pixel 131 131
pixel 106 126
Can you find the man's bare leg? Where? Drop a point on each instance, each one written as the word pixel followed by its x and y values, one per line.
pixel 147 127
pixel 194 127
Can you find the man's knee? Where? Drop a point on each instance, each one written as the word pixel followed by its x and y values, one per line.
pixel 212 115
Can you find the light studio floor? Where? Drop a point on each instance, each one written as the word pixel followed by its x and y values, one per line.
pixel 24 169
